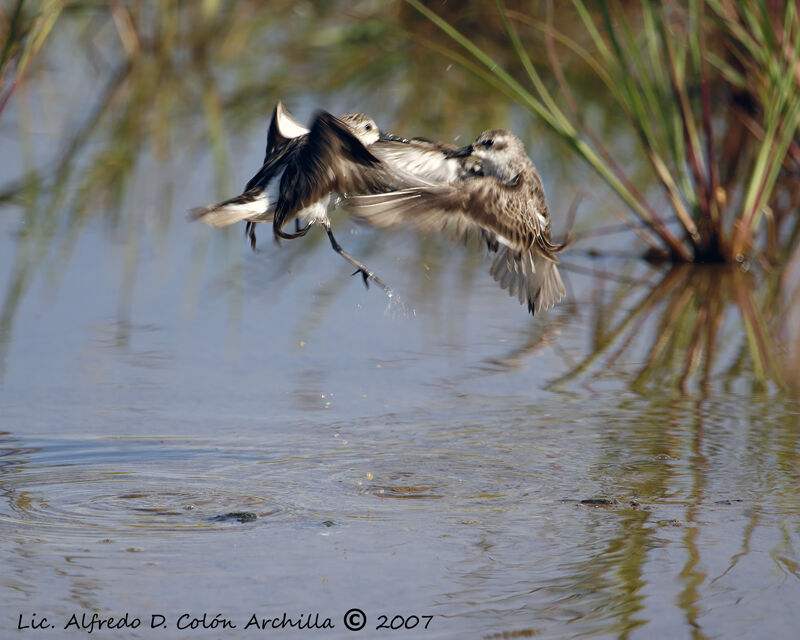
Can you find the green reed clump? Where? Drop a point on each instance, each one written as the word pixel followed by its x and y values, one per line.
pixel 659 67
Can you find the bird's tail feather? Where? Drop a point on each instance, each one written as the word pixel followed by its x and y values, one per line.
pixel 232 211
pixel 531 276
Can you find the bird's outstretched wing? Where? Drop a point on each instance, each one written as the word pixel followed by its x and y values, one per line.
pixel 481 202
pixel 426 209
pixel 526 262
pixel 282 128
pixel 419 162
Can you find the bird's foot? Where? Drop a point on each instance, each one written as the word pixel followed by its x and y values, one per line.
pixel 365 275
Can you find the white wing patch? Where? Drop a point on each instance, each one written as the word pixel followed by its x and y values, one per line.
pixel 542 220
pixel 287 126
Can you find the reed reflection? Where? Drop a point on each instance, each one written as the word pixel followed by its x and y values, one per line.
pixel 695 327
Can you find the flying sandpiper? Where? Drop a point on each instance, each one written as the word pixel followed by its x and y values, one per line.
pixel 304 175
pixel 493 188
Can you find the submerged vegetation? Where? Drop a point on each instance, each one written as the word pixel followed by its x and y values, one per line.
pixel 712 92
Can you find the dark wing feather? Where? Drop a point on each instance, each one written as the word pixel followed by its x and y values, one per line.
pixel 282 128
pixel 274 137
pixel 274 163
pixel 330 159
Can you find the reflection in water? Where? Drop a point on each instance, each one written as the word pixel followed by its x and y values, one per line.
pixel 695 326
pixel 525 523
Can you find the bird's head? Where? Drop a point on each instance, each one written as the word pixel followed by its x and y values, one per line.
pixel 500 152
pixel 362 126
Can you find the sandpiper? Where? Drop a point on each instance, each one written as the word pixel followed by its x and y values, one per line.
pixel 305 172
pixel 495 189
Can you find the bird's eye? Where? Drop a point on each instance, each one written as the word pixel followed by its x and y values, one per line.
pixel 368 127
pixel 488 143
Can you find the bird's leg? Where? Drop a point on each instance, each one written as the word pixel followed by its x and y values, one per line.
pixel 366 274
pixel 251 234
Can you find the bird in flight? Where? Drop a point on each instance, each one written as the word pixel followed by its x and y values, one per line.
pixel 304 174
pixel 491 187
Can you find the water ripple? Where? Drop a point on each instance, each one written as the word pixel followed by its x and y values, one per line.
pixel 68 489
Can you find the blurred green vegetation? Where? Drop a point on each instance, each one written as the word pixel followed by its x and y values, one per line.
pixel 144 86
pixel 711 90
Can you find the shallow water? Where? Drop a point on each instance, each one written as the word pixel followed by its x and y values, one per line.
pixel 192 428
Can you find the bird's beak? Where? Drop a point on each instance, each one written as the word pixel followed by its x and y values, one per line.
pixel 388 137
pixel 463 152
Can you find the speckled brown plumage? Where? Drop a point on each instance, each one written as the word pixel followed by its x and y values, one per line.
pixel 500 195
